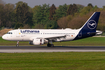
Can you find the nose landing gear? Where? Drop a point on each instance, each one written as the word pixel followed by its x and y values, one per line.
pixel 17 45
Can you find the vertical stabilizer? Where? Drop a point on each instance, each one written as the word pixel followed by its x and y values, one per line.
pixel 89 28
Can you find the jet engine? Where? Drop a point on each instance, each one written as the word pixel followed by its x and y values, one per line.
pixel 37 42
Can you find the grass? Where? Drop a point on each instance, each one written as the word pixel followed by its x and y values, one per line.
pixel 53 61
pixel 4 42
pixel 92 41
pixel 57 60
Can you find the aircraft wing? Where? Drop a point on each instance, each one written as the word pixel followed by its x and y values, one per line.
pixel 52 37
pixel 55 37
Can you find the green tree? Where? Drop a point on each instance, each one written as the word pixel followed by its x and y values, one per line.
pixel 18 25
pixel 45 9
pixel 41 14
pixel 52 11
pixel 80 7
pixel 90 5
pixel 103 7
pixel 9 15
pixel 37 14
pixel 2 17
pixel 95 8
pixel 85 10
pixel 2 14
pixel 72 9
pixel 60 12
pixel 39 26
pixel 51 24
pixel 62 22
pixel 23 14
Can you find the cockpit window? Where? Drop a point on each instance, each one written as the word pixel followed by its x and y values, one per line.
pixel 9 33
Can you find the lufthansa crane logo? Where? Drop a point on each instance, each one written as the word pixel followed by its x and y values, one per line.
pixel 91 24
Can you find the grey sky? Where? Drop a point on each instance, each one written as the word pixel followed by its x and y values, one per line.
pixel 32 3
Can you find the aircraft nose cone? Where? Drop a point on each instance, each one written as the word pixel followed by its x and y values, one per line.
pixel 3 37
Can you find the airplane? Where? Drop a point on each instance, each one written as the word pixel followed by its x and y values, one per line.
pixel 47 36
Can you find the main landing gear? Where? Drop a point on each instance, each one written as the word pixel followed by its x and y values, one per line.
pixel 17 45
pixel 50 45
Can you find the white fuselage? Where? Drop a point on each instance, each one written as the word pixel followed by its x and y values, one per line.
pixel 30 34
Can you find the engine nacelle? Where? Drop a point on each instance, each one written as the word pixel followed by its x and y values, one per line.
pixel 37 42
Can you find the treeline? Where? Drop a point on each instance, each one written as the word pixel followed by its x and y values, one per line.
pixel 45 16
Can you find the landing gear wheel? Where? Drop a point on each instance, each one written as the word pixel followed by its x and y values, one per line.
pixel 50 45
pixel 17 45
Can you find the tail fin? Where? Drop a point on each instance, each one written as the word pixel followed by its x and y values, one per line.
pixel 89 28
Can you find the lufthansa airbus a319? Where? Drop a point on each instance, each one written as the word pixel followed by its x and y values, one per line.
pixel 43 36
